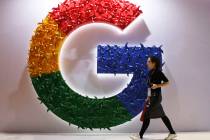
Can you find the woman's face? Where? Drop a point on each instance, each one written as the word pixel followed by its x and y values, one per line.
pixel 150 64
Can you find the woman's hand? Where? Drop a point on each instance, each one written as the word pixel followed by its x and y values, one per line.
pixel 154 86
pixel 148 100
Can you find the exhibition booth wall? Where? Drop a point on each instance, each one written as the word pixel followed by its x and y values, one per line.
pixel 181 27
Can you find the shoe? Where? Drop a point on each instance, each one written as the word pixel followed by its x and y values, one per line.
pixel 171 136
pixel 135 137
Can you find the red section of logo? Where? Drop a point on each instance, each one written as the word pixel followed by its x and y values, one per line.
pixel 73 13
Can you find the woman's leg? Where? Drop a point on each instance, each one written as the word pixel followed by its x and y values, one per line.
pixel 167 122
pixel 144 127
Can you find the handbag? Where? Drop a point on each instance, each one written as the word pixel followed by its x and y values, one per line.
pixel 144 110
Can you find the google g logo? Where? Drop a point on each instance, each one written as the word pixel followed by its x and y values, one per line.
pixel 45 70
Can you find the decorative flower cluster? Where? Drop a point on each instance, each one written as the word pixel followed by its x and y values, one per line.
pixel 48 37
pixel 123 59
pixel 44 49
pixel 82 111
pixel 72 13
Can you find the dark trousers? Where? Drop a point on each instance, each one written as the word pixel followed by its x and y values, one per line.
pixel 165 120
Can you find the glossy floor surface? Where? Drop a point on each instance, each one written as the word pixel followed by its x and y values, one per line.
pixel 149 136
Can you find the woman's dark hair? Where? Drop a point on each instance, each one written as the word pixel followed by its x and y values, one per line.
pixel 155 60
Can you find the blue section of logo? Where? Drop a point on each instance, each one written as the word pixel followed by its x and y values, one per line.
pixel 128 60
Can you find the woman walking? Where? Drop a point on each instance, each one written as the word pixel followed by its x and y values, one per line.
pixel 154 109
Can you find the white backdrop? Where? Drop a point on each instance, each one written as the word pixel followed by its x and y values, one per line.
pixel 182 26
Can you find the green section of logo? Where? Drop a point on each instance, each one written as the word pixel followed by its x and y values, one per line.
pixel 82 111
